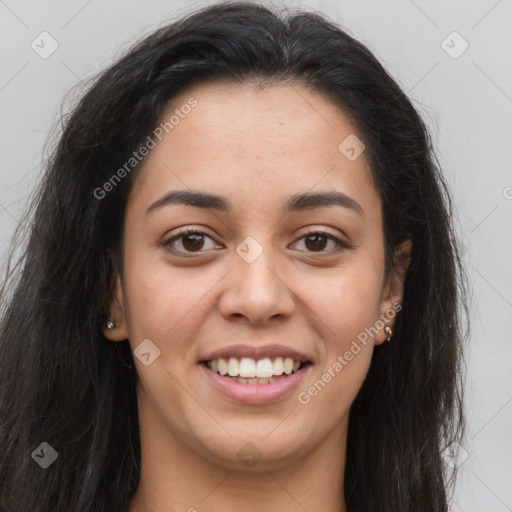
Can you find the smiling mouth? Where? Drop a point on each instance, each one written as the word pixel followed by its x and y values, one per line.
pixel 246 370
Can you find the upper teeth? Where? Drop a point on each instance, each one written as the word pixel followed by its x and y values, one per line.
pixel 247 367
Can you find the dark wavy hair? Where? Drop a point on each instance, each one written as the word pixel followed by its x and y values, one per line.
pixel 63 383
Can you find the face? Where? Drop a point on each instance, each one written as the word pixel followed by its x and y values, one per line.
pixel 263 277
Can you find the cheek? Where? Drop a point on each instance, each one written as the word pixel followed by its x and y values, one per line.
pixel 347 300
pixel 156 299
pixel 348 307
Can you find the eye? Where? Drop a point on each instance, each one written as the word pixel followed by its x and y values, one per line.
pixel 188 241
pixel 316 240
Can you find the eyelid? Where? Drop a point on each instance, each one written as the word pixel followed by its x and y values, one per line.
pixel 313 230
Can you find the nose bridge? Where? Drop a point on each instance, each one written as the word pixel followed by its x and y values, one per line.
pixel 256 263
pixel 256 289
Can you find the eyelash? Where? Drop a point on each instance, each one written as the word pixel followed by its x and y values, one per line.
pixel 340 245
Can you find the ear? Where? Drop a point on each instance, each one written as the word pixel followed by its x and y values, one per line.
pixel 393 290
pixel 117 312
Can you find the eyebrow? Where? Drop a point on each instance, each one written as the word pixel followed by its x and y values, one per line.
pixel 297 202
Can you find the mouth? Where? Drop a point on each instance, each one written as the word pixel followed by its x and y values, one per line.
pixel 263 374
pixel 249 371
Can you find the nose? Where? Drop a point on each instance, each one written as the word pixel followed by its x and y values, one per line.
pixel 257 290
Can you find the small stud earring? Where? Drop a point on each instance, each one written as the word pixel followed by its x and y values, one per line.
pixel 110 325
pixel 389 332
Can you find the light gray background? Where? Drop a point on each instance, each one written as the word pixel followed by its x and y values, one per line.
pixel 466 101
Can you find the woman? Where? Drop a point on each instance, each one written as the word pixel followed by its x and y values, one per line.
pixel 241 287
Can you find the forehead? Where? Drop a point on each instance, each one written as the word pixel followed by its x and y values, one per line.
pixel 257 146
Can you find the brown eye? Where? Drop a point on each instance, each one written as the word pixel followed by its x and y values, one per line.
pixel 317 241
pixel 192 242
pixel 188 241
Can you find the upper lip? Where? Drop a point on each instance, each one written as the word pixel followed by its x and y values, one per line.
pixel 259 352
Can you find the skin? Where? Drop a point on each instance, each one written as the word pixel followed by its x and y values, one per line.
pixel 257 147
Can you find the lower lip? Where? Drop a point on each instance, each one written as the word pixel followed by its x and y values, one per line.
pixel 255 393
